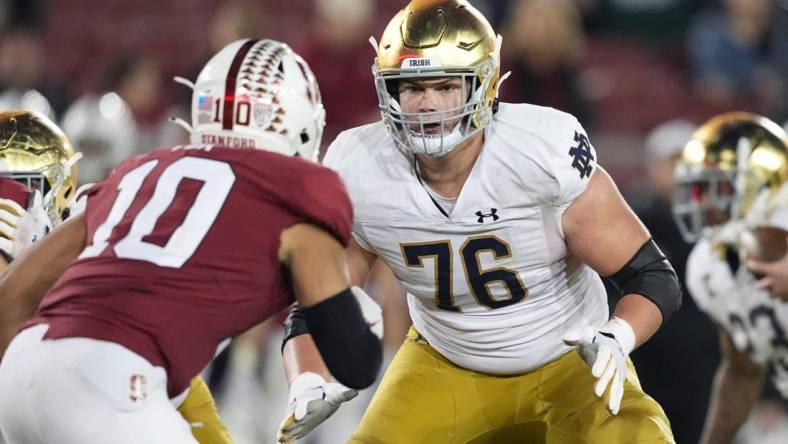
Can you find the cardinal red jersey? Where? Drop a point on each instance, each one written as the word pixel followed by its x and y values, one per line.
pixel 182 251
pixel 13 190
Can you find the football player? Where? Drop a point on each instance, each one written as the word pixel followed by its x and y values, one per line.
pixel 496 219
pixel 38 158
pixel 731 187
pixel 773 274
pixel 177 251
pixel 37 179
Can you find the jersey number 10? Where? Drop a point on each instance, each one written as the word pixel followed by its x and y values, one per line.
pixel 217 178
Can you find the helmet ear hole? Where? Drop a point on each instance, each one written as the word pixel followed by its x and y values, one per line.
pixel 304 136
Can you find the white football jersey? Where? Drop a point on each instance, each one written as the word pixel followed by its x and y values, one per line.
pixel 756 322
pixel 490 283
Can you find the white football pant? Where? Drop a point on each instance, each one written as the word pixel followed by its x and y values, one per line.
pixel 84 391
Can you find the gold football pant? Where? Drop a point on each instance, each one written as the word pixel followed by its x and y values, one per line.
pixel 424 398
pixel 199 410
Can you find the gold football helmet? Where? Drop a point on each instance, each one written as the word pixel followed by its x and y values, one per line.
pixel 438 38
pixel 34 151
pixel 730 162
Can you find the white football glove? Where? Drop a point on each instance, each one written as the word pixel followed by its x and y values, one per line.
pixel 605 350
pixel 19 228
pixel 371 311
pixel 312 400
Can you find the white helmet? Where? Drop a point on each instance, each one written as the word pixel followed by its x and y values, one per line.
pixel 257 94
pixel 103 130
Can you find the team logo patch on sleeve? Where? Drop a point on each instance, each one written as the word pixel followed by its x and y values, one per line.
pixel 582 156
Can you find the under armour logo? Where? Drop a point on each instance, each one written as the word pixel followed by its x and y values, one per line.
pixel 581 155
pixel 493 213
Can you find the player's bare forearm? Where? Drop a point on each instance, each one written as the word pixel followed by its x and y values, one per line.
pixel 737 386
pixel 27 279
pixel 300 355
pixel 602 231
pixel 642 315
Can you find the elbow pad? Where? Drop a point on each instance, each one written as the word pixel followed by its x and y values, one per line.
pixel 650 274
pixel 351 351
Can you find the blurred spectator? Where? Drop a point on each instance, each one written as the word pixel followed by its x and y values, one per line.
pixel 103 130
pixel 338 51
pixel 138 81
pixel 649 21
pixel 494 10
pixel 542 42
pixel 736 53
pixel 234 20
pixel 24 81
pixel 26 13
pixel 677 365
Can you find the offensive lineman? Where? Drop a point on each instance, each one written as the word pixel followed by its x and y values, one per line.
pixel 732 179
pixel 495 219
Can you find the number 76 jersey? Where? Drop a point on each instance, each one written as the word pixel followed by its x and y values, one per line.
pixel 183 251
pixel 490 282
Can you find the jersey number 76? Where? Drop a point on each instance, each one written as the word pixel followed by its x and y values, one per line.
pixel 478 279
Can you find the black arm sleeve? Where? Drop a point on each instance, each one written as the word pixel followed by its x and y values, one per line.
pixel 295 324
pixel 650 274
pixel 351 351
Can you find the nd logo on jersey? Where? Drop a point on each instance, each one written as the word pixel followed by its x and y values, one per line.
pixel 478 280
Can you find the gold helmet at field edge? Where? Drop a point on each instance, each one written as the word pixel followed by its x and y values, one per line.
pixel 731 160
pixel 33 150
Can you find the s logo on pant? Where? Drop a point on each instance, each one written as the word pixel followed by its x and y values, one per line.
pixel 139 389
